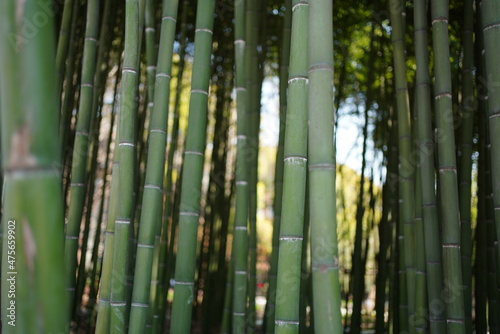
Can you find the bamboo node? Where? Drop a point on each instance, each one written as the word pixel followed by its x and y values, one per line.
pixel 139 305
pixel 145 246
pixel 158 131
pixel 188 213
pixel 126 143
pixel 204 30
pixel 440 19
pixel 129 70
pixel 194 153
pixel 450 245
pixel 491 26
pixel 298 78
pixel 163 75
pixel 441 95
pixel 182 283
pixel 298 4
pixel 173 19
pixel 152 186
pixel 200 91
pixel 285 322
pixel 291 238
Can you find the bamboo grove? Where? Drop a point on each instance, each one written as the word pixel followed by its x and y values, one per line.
pixel 141 192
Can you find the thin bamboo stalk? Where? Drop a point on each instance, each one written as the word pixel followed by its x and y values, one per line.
pixel 126 156
pixel 81 146
pixel 240 238
pixel 426 170
pixel 448 205
pixel 405 173
pixel 151 213
pixel 321 164
pixel 294 178
pixel 278 172
pixel 193 170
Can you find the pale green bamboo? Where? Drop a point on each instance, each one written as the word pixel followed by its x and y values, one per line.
pixel 151 213
pixel 278 172
pixel 321 156
pixel 193 170
pixel 426 170
pixel 126 150
pixel 406 169
pixel 104 306
pixel 240 231
pixel 81 147
pixel 33 245
pixel 294 179
pixel 448 205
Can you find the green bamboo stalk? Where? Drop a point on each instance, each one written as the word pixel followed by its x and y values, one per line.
pixel 32 223
pixel 294 178
pixel 81 146
pixel 449 208
pixel 420 321
pixel 406 169
pixel 490 11
pixel 426 170
pixel 465 158
pixel 96 261
pixel 228 297
pixel 66 108
pixel 126 151
pixel 305 269
pixel 278 171
pixel 65 36
pixel 166 247
pixel 151 52
pixel 321 152
pixel 104 306
pixel 151 213
pixel 240 238
pixel 193 171
pixel 253 14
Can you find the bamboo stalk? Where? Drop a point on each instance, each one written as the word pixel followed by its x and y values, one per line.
pixel 321 164
pixel 193 170
pixel 294 178
pixel 81 146
pixel 426 170
pixel 151 213
pixel 32 202
pixel 449 208
pixel 278 172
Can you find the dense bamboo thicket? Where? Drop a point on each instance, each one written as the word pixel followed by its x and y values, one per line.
pixel 250 166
